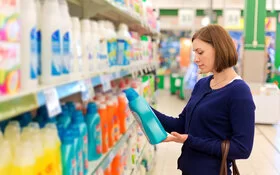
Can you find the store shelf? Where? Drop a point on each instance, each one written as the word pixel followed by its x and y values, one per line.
pixel 110 10
pixel 12 105
pixel 106 159
pixel 139 158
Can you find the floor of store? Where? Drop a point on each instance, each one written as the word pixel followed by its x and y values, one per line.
pixel 264 159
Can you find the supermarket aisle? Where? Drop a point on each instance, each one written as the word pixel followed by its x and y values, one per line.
pixel 264 159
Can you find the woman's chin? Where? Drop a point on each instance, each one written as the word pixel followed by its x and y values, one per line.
pixel 203 71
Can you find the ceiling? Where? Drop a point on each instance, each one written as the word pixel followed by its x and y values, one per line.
pixel 205 4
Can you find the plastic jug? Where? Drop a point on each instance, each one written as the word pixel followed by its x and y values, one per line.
pixel 12 134
pixel 116 121
pixel 146 118
pixel 110 115
pixel 116 165
pixel 52 129
pixel 102 110
pixel 122 112
pixel 1 136
pixel 25 119
pixel 78 148
pixel 29 134
pixel 5 158
pixel 24 161
pixel 80 121
pixel 68 153
pixel 64 117
pixel 94 132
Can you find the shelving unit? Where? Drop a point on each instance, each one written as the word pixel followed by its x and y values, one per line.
pixel 24 101
pixel 110 10
pixel 139 158
pixel 106 159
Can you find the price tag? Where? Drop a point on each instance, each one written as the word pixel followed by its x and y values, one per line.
pixel 232 17
pixel 86 89
pixel 186 17
pixel 106 82
pixel 52 102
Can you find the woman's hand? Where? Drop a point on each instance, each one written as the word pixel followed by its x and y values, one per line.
pixel 176 137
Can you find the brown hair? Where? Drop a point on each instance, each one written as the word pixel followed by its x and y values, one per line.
pixel 218 37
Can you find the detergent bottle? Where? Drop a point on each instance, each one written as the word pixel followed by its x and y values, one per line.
pixel 116 121
pixel 78 148
pixel 5 158
pixel 24 161
pixel 52 130
pixel 25 119
pixel 102 110
pixel 79 120
pixel 12 134
pixel 1 135
pixel 121 112
pixel 29 134
pixel 64 117
pixel 110 115
pixel 146 118
pixel 94 132
pixel 68 153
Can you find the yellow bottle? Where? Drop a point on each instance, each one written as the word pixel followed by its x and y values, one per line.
pixel 1 136
pixel 5 158
pixel 33 135
pixel 53 130
pixel 12 134
pixel 50 150
pixel 24 161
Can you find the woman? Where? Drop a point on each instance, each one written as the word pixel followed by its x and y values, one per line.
pixel 220 108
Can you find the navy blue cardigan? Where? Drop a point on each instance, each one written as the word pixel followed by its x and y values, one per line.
pixel 210 117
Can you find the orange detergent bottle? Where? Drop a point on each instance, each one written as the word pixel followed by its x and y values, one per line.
pixel 116 121
pixel 110 113
pixel 121 112
pixel 116 165
pixel 102 110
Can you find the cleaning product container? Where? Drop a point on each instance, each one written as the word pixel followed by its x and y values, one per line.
pixel 146 118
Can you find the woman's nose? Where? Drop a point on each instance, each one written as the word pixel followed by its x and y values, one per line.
pixel 196 59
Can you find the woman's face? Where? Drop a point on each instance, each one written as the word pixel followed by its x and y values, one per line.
pixel 204 56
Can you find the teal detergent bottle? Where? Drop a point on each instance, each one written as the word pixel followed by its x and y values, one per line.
pixel 78 119
pixel 68 157
pixel 78 169
pixel 94 132
pixel 25 119
pixel 64 117
pixel 145 116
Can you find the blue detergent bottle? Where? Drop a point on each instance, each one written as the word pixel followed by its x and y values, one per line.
pixel 78 119
pixel 68 158
pixel 64 117
pixel 71 107
pixel 78 169
pixel 145 116
pixel 94 132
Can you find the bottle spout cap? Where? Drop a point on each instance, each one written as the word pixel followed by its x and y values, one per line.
pixel 131 94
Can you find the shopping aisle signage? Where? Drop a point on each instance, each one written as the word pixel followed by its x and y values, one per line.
pixel 232 17
pixel 186 17
pixel 52 102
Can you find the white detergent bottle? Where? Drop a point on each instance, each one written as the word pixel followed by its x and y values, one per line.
pixel 39 8
pixel 112 44
pixel 77 50
pixel 66 32
pixel 51 43
pixel 95 45
pixel 103 46
pixel 28 44
pixel 87 46
pixel 124 46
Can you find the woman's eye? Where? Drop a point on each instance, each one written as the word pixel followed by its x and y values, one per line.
pixel 200 53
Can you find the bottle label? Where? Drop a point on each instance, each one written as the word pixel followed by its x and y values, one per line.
pixel 80 163
pixel 34 54
pixel 112 51
pixel 39 52
pixel 120 52
pixel 66 53
pixel 116 128
pixel 74 167
pixel 136 116
pixel 79 55
pixel 98 139
pixel 103 50
pixel 56 54
pixel 85 152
